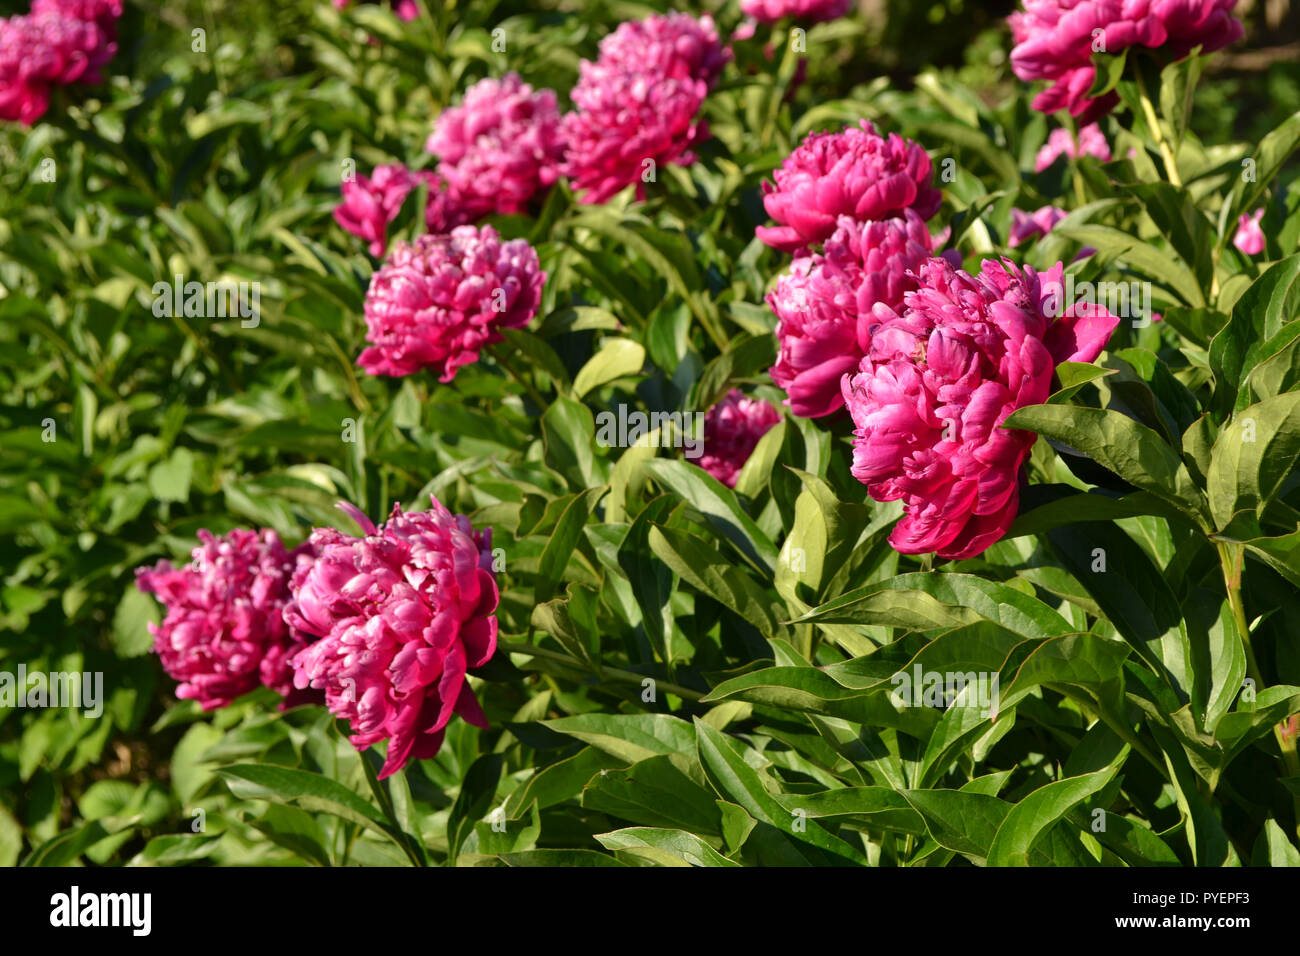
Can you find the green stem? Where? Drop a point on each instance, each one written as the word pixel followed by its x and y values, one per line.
pixel 1153 122
pixel 613 673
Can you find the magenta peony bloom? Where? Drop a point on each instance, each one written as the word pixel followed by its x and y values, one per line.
pixel 103 13
pixel 856 172
pixel 1055 41
pixel 807 11
pixel 1249 238
pixel 224 633
pixel 1092 142
pixel 939 379
pixel 731 430
pixel 824 305
pixel 501 146
pixel 438 301
pixel 1026 225
pixel 401 613
pixel 637 104
pixel 46 49
pixel 371 202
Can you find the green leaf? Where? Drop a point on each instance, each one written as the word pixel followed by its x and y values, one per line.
pixel 617 358
pixel 170 480
pixel 1258 315
pixel 655 792
pixel 675 844
pixel 1132 451
pixel 630 737
pixel 1253 456
pixel 1024 825
pixel 559 548
pixel 925 601
pixel 474 801
pixel 720 508
pixel 1159 266
pixel 300 788
pixel 736 780
pixel 1270 156
pixel 135 612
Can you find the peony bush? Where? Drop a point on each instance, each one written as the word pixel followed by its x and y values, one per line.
pixel 482 435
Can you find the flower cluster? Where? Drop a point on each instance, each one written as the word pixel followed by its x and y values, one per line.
pixel 59 42
pixel 855 172
pixel 381 629
pixel 401 613
pixel 731 430
pixel 1056 39
pixel 637 104
pixel 938 380
pixel 436 302
pixel 224 632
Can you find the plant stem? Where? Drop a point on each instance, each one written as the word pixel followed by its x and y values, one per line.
pixel 613 673
pixel 1153 121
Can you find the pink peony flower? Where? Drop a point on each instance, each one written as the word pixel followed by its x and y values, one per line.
pixel 102 13
pixel 939 379
pixel 731 430
pixel 224 633
pixel 1026 225
pixel 501 146
pixel 1055 41
pixel 402 613
pixel 637 104
pixel 436 302
pixel 856 172
pixel 824 305
pixel 46 49
pixel 1249 238
pixel 807 11
pixel 1092 142
pixel 370 203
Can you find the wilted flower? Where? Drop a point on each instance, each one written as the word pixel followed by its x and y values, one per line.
pixel 824 305
pixel 500 147
pixel 1055 41
pixel 402 613
pixel 855 172
pixel 437 301
pixel 1092 142
pixel 637 104
pixel 938 381
pixel 224 632
pixel 731 430
pixel 807 11
pixel 1249 238
pixel 1031 225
